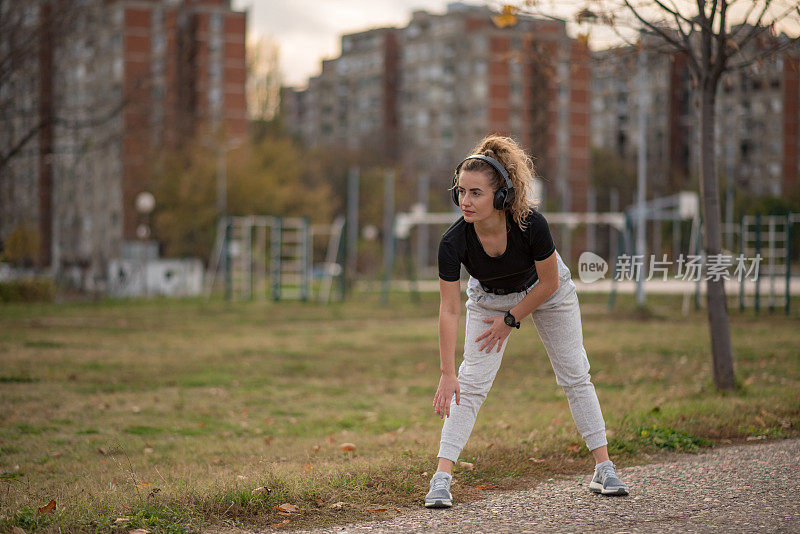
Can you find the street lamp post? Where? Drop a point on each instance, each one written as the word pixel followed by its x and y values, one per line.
pixel 222 175
pixel 145 203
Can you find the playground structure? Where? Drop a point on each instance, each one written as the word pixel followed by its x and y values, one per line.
pixel 257 256
pixel 253 253
pixel 768 237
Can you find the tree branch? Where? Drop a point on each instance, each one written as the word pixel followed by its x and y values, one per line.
pixel 686 40
pixel 655 29
pixel 722 44
pixel 754 31
pixel 705 38
pixel 788 44
pixel 746 17
pixel 19 145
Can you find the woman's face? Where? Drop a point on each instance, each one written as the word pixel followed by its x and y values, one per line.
pixel 475 196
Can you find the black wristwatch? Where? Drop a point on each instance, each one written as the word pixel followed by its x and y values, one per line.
pixel 510 320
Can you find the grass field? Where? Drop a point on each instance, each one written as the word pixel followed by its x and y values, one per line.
pixel 177 416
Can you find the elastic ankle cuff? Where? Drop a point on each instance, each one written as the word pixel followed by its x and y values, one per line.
pixel 595 440
pixel 449 451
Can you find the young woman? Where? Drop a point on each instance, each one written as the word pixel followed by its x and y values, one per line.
pixel 515 271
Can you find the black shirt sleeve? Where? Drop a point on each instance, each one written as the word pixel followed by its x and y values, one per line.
pixel 541 241
pixel 449 262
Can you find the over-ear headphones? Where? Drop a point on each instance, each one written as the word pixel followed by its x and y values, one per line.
pixel 503 197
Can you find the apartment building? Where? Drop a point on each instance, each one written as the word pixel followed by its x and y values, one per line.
pixel 352 103
pixel 131 78
pixel 445 81
pixel 756 111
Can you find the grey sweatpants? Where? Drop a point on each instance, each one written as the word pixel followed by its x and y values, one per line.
pixel 558 321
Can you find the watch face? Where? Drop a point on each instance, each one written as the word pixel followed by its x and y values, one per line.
pixel 509 319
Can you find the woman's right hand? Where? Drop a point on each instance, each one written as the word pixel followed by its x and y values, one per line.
pixel 448 385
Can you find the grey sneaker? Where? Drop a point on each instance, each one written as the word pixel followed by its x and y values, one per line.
pixel 439 495
pixel 606 481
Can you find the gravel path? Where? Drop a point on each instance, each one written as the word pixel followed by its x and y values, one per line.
pixel 743 488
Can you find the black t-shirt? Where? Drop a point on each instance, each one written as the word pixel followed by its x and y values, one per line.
pixel 512 269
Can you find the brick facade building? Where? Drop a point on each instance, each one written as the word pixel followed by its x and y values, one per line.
pixel 450 79
pixel 757 114
pixel 131 77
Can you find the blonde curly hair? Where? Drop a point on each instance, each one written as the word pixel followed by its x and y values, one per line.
pixel 520 170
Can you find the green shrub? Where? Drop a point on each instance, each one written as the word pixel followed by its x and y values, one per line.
pixel 33 290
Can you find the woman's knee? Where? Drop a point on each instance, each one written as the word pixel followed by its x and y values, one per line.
pixel 576 383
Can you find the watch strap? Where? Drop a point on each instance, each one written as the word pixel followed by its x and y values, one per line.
pixel 513 319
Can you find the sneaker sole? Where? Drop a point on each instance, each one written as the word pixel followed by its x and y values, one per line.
pixel 438 504
pixel 595 487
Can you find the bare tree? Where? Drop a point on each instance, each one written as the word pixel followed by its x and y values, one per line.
pixel 716 37
pixel 263 79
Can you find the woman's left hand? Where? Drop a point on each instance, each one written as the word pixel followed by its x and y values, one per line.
pixel 497 333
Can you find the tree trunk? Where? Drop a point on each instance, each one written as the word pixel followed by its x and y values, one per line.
pixel 722 354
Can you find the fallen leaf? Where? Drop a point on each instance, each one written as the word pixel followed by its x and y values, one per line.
pixel 269 420
pixel 280 525
pixel 337 505
pixel 269 440
pixel 48 508
pixel 467 465
pixel 288 508
pixel 760 421
pixel 128 508
pixel 375 510
pixel 485 486
pixel 261 490
pixel 144 485
pixel 331 439
pixel 148 450
pixel 308 467
pixel 316 448
pixel 536 460
pixel 319 502
pixel 102 451
pixel 347 447
pixel 136 409
pixel 120 520
pixel 573 447
pixel 503 425
pixel 241 477
pixel 139 531
pixel 397 510
pixel 55 454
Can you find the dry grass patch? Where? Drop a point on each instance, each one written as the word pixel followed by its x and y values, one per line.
pixel 179 415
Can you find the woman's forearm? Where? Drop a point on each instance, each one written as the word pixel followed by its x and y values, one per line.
pixel 448 334
pixel 540 293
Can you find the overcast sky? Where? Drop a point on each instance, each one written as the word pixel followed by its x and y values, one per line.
pixel 309 30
